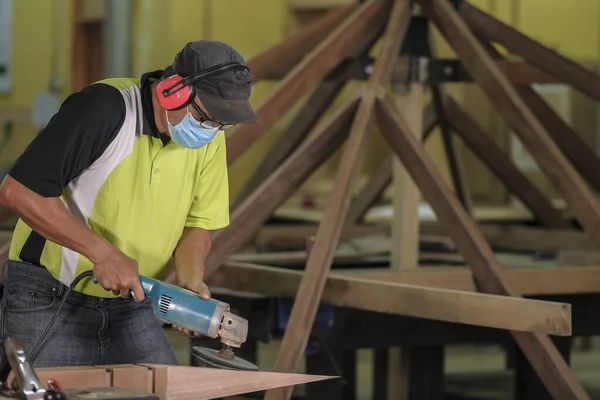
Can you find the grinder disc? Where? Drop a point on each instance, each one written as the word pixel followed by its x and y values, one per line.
pixel 222 359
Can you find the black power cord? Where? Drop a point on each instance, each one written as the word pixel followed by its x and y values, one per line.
pixel 34 352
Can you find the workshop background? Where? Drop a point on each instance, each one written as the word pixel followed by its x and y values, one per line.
pixel 58 47
pixel 50 48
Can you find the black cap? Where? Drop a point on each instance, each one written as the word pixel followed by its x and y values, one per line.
pixel 225 94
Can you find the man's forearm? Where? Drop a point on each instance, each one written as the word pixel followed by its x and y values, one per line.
pixel 191 252
pixel 49 217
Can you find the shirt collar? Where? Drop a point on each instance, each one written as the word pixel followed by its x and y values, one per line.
pixel 147 107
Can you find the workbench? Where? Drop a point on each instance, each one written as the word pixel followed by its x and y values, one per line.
pixel 333 351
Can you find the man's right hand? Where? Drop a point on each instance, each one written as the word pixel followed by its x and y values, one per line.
pixel 117 272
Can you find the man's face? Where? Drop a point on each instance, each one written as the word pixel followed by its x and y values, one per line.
pixel 198 112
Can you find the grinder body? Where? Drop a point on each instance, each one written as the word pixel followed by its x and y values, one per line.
pixel 185 308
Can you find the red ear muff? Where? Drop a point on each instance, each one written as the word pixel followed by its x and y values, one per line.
pixel 171 94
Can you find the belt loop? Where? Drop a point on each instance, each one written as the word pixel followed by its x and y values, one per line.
pixel 60 290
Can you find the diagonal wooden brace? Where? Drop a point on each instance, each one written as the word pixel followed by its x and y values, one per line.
pixel 319 261
pixel 311 70
pixel 533 51
pixel 487 271
pixel 561 174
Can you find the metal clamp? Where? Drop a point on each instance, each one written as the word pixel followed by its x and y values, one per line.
pixel 26 383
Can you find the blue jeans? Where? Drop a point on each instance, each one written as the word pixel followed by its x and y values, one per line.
pixel 87 331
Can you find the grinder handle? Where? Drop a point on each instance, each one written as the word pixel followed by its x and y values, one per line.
pixel 146 284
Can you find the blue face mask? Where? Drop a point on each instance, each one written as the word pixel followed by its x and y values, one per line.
pixel 189 133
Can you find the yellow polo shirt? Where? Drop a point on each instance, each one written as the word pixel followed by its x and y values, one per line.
pixel 103 156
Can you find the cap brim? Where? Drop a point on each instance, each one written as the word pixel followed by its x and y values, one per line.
pixel 228 111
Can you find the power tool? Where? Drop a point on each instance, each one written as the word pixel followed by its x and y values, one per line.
pixel 210 318
pixel 187 309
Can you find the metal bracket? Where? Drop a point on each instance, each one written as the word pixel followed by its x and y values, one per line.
pixel 444 70
pixel 416 41
pixel 16 360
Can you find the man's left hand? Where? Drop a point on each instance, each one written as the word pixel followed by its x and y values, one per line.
pixel 197 286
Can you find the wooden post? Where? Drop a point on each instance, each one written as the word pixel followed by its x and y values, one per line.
pixel 327 237
pixel 406 195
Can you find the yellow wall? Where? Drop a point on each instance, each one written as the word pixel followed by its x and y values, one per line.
pixel 37 27
pixel 160 28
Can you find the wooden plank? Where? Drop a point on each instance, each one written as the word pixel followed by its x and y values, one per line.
pixel 557 280
pixel 195 383
pixel 541 56
pixel 583 158
pixel 488 272
pixel 517 72
pixel 260 205
pixel 466 307
pixel 512 237
pixel 82 377
pixel 455 161
pixel 319 261
pixel 519 117
pixel 130 376
pixel 280 58
pixel 316 106
pixel 499 163
pixel 525 238
pixel 295 235
pixel 570 257
pixel 567 279
pixel 299 257
pixel 312 69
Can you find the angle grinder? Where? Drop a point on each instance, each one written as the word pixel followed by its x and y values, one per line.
pixel 187 309
pixel 210 318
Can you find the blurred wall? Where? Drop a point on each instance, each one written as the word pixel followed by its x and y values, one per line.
pixel 41 51
pixel 43 42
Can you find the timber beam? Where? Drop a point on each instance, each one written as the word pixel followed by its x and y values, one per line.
pixel 448 70
pixel 171 382
pixel 466 307
pixel 511 237
pixel 568 279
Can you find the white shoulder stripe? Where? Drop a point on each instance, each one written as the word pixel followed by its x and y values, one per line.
pixel 83 190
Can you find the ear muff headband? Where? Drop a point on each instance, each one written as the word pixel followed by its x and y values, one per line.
pixel 176 92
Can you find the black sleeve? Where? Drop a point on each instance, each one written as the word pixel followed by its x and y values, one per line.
pixel 75 137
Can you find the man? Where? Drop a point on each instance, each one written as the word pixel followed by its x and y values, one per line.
pixel 127 175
